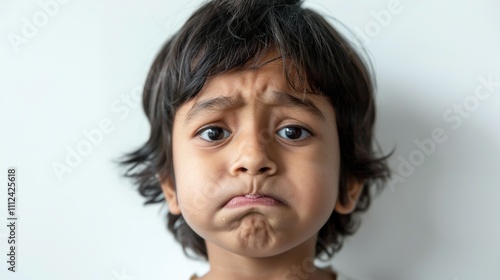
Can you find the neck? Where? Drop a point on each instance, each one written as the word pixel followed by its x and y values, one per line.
pixel 297 263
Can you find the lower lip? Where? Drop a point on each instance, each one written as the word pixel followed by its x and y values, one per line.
pixel 240 201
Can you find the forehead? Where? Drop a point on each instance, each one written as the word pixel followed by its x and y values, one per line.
pixel 256 78
pixel 265 84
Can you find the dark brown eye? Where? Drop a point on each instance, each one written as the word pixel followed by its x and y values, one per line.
pixel 213 133
pixel 293 133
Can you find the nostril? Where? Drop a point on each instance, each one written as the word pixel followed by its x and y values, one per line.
pixel 264 169
pixel 261 170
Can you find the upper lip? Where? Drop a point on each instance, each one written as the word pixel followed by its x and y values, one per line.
pixel 258 194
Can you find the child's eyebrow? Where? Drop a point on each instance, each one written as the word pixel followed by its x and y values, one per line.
pixel 278 98
pixel 274 98
pixel 217 104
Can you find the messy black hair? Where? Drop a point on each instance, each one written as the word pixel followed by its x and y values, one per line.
pixel 227 35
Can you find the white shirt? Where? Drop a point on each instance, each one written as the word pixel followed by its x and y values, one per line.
pixel 339 276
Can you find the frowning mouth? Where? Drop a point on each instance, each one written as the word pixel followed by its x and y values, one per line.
pixel 252 200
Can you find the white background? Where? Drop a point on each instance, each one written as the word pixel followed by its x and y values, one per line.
pixel 79 68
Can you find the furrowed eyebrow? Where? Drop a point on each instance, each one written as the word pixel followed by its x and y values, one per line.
pixel 285 99
pixel 275 98
pixel 217 104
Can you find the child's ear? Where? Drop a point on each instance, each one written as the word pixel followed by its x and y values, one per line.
pixel 168 188
pixel 354 188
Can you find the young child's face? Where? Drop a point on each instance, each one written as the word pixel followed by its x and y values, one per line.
pixel 248 133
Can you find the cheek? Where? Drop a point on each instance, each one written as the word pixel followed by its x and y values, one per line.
pixel 319 190
pixel 196 181
pixel 316 177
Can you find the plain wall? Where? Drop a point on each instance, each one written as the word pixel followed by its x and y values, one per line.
pixel 82 67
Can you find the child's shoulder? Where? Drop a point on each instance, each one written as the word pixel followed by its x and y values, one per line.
pixel 335 275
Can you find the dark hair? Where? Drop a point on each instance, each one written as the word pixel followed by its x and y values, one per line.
pixel 224 35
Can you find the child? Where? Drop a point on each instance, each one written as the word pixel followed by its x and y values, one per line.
pixel 261 139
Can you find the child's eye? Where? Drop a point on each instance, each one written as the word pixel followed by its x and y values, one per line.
pixel 293 133
pixel 213 133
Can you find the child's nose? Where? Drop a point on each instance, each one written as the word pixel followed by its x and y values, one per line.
pixel 253 158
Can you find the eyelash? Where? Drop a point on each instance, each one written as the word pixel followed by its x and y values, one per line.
pixel 212 126
pixel 207 127
pixel 304 130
